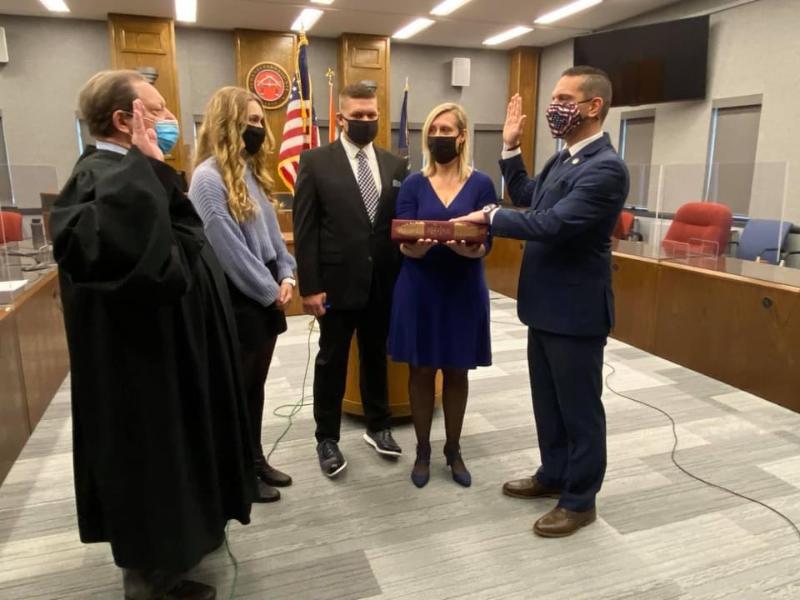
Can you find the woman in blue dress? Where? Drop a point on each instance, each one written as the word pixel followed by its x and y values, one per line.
pixel 440 310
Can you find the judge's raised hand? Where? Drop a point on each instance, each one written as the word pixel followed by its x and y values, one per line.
pixel 142 137
pixel 515 121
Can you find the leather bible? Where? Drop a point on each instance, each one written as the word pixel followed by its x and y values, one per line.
pixel 441 231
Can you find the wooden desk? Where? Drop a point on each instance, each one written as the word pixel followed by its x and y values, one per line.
pixel 296 305
pixel 737 321
pixel 34 361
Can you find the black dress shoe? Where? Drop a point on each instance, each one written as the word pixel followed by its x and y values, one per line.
pixel 331 460
pixel 383 442
pixel 270 475
pixel 190 590
pixel 265 493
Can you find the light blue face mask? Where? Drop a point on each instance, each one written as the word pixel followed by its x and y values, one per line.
pixel 167 133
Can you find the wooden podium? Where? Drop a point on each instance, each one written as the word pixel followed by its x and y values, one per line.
pixel 397 377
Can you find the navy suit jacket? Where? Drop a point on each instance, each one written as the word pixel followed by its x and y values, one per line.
pixel 565 279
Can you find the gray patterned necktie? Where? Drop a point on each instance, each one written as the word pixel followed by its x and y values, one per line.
pixel 366 183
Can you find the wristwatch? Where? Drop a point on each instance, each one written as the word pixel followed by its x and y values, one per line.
pixel 290 280
pixel 487 211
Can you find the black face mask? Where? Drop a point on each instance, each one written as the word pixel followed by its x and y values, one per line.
pixel 253 138
pixel 360 132
pixel 443 148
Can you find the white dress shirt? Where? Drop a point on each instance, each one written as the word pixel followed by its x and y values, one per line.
pixel 573 150
pixel 352 150
pixel 110 147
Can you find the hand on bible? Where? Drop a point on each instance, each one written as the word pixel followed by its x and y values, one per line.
pixel 285 295
pixel 315 305
pixel 463 248
pixel 418 249
pixel 515 121
pixel 142 137
pixel 480 217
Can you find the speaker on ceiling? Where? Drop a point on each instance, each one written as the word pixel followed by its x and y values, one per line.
pixel 460 74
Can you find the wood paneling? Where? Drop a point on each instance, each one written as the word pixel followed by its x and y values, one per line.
pixel 397 379
pixel 743 332
pixel 150 42
pixel 14 423
pixel 296 305
pixel 34 361
pixel 523 79
pixel 253 47
pixel 366 57
pixel 502 266
pixel 635 282
pixel 42 345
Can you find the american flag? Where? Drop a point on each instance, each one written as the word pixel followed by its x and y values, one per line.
pixel 300 131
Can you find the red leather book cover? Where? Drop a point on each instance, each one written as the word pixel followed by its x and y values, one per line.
pixel 441 231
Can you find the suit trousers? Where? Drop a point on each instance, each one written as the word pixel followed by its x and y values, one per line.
pixel 371 325
pixel 566 375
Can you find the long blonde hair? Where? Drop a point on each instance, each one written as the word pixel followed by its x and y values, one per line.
pixel 220 136
pixel 462 122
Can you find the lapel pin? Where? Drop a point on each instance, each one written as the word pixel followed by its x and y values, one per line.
pixel 575 161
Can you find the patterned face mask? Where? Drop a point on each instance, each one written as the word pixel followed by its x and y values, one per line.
pixel 564 118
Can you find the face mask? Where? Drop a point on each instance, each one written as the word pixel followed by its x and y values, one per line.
pixel 360 132
pixel 253 138
pixel 564 118
pixel 443 148
pixel 167 133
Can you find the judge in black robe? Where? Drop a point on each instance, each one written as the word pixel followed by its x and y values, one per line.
pixel 161 454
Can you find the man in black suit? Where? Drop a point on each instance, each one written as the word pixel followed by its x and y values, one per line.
pixel 343 208
pixel 565 295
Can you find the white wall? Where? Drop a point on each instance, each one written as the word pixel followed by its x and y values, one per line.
pixel 49 60
pixel 753 49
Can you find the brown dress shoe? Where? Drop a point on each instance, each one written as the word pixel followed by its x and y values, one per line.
pixel 529 488
pixel 561 522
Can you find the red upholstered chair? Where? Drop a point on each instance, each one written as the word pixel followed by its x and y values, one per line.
pixel 703 227
pixel 623 227
pixel 10 227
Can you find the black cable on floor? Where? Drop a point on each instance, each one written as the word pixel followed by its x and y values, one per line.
pixel 686 471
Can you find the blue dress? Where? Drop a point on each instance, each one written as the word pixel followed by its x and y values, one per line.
pixel 440 309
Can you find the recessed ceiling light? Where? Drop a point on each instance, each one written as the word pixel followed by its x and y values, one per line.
pixel 306 20
pixel 507 35
pixel 413 28
pixel 322 1
pixel 186 11
pixel 448 6
pixel 55 5
pixel 566 11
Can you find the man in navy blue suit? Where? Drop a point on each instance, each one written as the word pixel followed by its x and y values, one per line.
pixel 565 295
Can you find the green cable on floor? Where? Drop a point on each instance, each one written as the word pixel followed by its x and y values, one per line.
pixel 294 409
pixel 235 564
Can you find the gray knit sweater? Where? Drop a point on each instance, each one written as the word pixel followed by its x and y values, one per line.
pixel 243 249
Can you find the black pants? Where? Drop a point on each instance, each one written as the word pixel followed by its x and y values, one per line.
pixel 371 325
pixel 567 384
pixel 258 329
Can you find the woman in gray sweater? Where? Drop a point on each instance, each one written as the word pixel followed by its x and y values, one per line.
pixel 230 190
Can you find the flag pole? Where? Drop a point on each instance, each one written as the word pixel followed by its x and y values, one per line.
pixel 330 74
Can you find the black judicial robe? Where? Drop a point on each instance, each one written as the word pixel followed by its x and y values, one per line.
pixel 161 453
